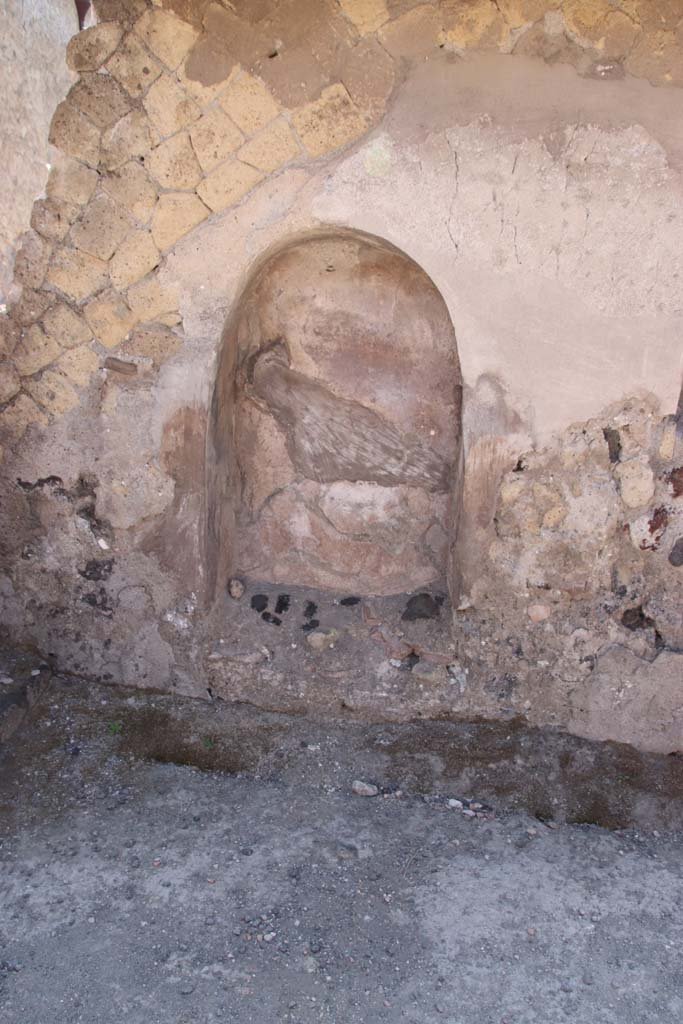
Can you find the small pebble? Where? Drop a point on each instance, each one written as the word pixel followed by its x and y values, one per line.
pixel 361 788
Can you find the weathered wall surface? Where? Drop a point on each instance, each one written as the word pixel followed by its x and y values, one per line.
pixel 527 156
pixel 347 420
pixel 34 78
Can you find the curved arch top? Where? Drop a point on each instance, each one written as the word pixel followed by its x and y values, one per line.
pixel 335 433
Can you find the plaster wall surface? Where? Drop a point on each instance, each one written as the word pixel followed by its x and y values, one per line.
pixel 34 79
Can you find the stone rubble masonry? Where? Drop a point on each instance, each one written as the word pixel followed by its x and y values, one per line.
pixel 168 107
pixel 100 98
pixel 53 393
pixel 229 183
pixel 153 342
pixel 166 36
pixel 141 117
pixel 10 384
pixel 215 138
pixel 52 218
pixel 133 67
pixel 366 15
pixel 32 260
pixel 132 189
pixel 88 50
pixel 176 213
pixel 35 351
pixel 110 318
pixel 636 482
pixel 101 228
pixel 249 103
pixel 149 299
pixel 330 122
pixel 275 146
pixel 73 133
pixel 65 326
pixel 17 417
pixel 129 139
pixel 76 273
pixel 133 259
pixel 79 364
pixel 173 164
pixel 71 182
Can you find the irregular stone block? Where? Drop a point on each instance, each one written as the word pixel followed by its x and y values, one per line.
pixel 131 187
pixel 100 98
pixel 153 342
pixel 414 34
pixel 676 554
pixel 636 482
pixel 79 365
pixel 74 134
pixel 101 228
pixel 365 15
pixel 53 393
pixel 478 23
pixel 173 163
pixel 10 384
pixel 150 299
pixel 667 443
pixel 52 218
pixel 16 418
pixel 124 12
pixel 65 327
pixel 175 215
pixel 10 334
pixel 166 36
pixel 522 12
pixel 32 260
pixel 215 138
pixel 71 181
pixel 134 67
pixel 129 139
pixel 110 318
pixel 330 122
pixel 228 184
pixel 88 50
pixel 30 306
pixel 168 107
pixel 249 103
pixel 76 273
pixel 275 146
pixel 135 257
pixel 35 351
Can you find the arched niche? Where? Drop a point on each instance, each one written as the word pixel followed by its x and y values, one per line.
pixel 334 444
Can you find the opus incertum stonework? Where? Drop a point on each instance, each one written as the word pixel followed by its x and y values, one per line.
pixel 330 301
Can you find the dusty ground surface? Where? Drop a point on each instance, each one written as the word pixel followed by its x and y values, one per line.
pixel 177 861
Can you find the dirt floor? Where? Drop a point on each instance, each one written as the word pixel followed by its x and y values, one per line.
pixel 187 862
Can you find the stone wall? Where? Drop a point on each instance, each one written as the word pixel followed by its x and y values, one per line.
pixel 527 156
pixel 34 77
